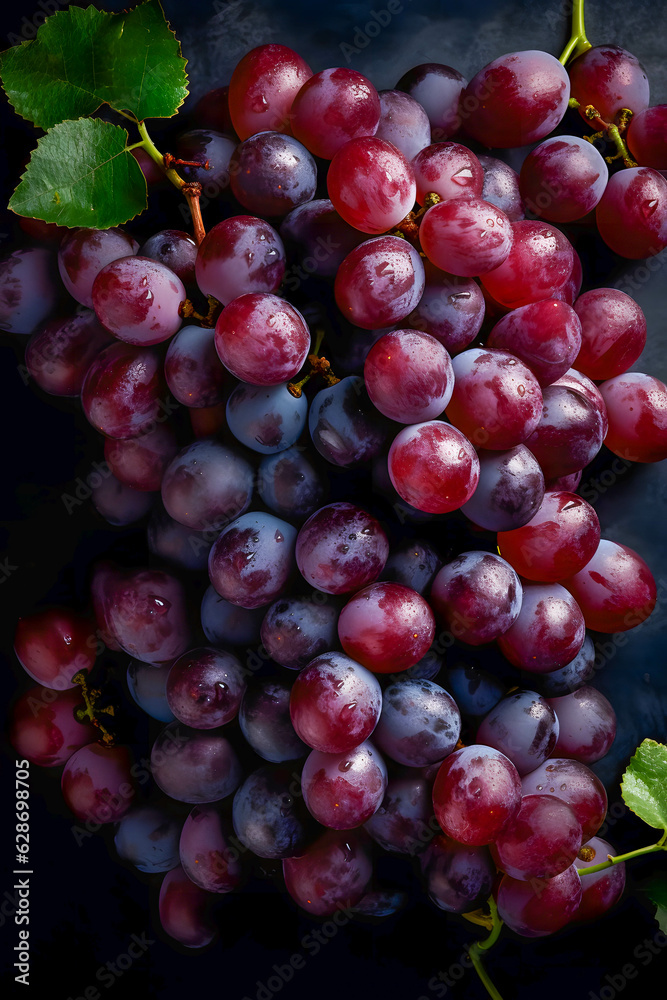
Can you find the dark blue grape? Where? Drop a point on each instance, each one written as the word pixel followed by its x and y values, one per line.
pixel 268 419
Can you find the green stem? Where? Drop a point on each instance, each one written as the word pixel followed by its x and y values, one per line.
pixel 578 43
pixel 156 155
pixel 479 947
pixel 191 191
pixel 660 846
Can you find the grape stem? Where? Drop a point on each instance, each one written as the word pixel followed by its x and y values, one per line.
pixel 318 366
pixel 479 947
pixel 91 709
pixel 618 858
pixel 578 43
pixel 191 190
pixel 608 130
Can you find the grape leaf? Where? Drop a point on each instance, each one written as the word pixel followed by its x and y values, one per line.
pixel 81 174
pixel 644 784
pixel 657 893
pixel 82 58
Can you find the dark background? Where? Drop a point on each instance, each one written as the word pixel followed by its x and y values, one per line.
pixel 85 905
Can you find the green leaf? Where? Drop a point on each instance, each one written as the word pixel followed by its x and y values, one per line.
pixel 644 784
pixel 81 59
pixel 82 174
pixel 657 893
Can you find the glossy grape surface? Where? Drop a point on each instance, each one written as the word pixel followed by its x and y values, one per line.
pixel 207 485
pixel 548 632
pixel 184 910
pixel 43 728
pixel 636 405
pixel 540 907
pixel 557 542
pixel 332 108
pixel 97 783
pixel 419 724
pixel 335 703
pixel 477 792
pixel 587 725
pixel 545 335
pixel 433 467
pixel 252 559
pixel 290 485
pixel 123 393
pixel 449 170
pixel 563 178
pixel 272 173
pixel 538 266
pixel 263 87
pixel 264 718
pixel 240 255
pixel 497 400
pixel 147 836
pixel 458 877
pixel 84 252
pixel 343 790
pixel 515 100
pixel 141 462
pixel 59 354
pixel 262 339
pixel 438 88
pixel 466 236
pixel 610 78
pixel 451 309
pixel 54 644
pixel 174 249
pixel 371 184
pixel 632 214
pixel 403 122
pixel 269 815
pixel 147 615
pixel 341 548
pixel 147 683
pixel 478 597
pixel 601 890
pixel 509 492
pixel 295 630
pixel 574 783
pixel 344 425
pixel 387 627
pixel 207 851
pixel 205 687
pixel 615 590
pixel 379 283
pixel 524 727
pixel 646 137
pixel 613 332
pixel 404 823
pixel 331 874
pixel 541 840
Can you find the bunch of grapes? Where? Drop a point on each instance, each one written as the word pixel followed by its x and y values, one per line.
pixel 369 518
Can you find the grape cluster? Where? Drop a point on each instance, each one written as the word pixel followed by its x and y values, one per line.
pixel 308 712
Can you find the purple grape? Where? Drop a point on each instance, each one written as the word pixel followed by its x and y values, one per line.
pixel 548 632
pixel 563 179
pixel 269 815
pixel 29 289
pixel 343 790
pixel 207 485
pixel 575 784
pixel 458 877
pixel 419 724
pixel 587 725
pixel 43 727
pixel 252 559
pixel 174 249
pixel 331 874
pixel 224 623
pixel 205 687
pixel 172 541
pixel 404 822
pixel 194 373
pixel 379 283
pixel 414 563
pixel 344 425
pixel 84 252
pixel 335 703
pixel 98 783
pixel 541 840
pixel 403 122
pixel 409 376
pixel 573 675
pixel 272 173
pixel 332 108
pixel 147 683
pixel 140 462
pixel 208 852
pixel 206 146
pixel 147 615
pixel 120 504
pixel 295 630
pixel 266 419
pixel 341 548
pixel 509 492
pixel 147 836
pixel 59 354
pixel 501 187
pixel 265 722
pixel 541 906
pixel 475 691
pixel 600 890
pixel 239 255
pixel 438 88
pixel 191 765
pixel 477 792
pixel 184 910
pixel 451 309
pixel 478 596
pixel 524 727
pixel 322 238
pixel 123 393
pixel 262 339
pixel 290 485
